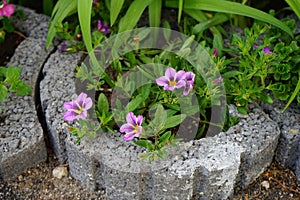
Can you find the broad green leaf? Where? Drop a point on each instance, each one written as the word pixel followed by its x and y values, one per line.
pixel 155 13
pixel 102 104
pixel 231 8
pixel 160 117
pixel 133 14
pixel 22 89
pixel 13 74
pixel 3 92
pixel 61 10
pixel 115 8
pixel 174 121
pixel 134 104
pixel 145 143
pixel 242 110
pixel 165 137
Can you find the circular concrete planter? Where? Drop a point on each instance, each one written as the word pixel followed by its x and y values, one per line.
pixel 22 142
pixel 209 168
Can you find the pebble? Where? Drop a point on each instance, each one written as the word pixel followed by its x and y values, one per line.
pixel 59 172
pixel 265 184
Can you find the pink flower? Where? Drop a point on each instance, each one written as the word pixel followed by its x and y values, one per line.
pixel 133 128
pixel 267 50
pixel 172 79
pixel 217 80
pixel 189 80
pixel 78 108
pixel 215 53
pixel 6 10
pixel 102 27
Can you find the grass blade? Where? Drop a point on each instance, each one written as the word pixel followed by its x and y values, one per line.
pixel 115 8
pixel 231 8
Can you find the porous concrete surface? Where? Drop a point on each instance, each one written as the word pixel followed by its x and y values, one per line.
pixel 288 149
pixel 21 136
pixel 209 168
pixel 57 87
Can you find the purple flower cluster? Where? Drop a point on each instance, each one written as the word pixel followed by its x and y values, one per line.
pixel 6 10
pixel 173 79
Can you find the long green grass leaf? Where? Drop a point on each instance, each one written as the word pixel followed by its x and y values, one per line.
pixel 232 8
pixel 295 5
pixel 84 15
pixel 293 95
pixel 47 7
pixel 155 13
pixel 61 10
pixel 180 8
pixel 133 14
pixel 115 8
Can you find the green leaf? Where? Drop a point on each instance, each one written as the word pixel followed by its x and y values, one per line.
pixel 13 74
pixel 102 104
pixel 242 110
pixel 84 15
pixel 174 121
pixel 145 143
pixel 218 18
pixel 231 8
pixel 115 8
pixel 165 137
pixel 47 7
pixel 62 9
pixel 180 7
pixel 133 14
pixel 265 98
pixel 160 117
pixel 155 13
pixel 295 5
pixel 22 89
pixel 297 89
pixel 134 104
pixel 3 92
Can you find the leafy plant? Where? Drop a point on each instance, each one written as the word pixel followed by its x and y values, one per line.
pixel 10 82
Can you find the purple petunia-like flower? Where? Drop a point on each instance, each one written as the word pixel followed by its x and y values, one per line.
pixel 217 80
pixel 78 108
pixel 102 27
pixel 172 79
pixel 133 128
pixel 189 80
pixel 215 53
pixel 267 50
pixel 6 10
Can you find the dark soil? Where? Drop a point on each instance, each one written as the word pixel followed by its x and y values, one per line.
pixel 38 183
pixel 7 48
